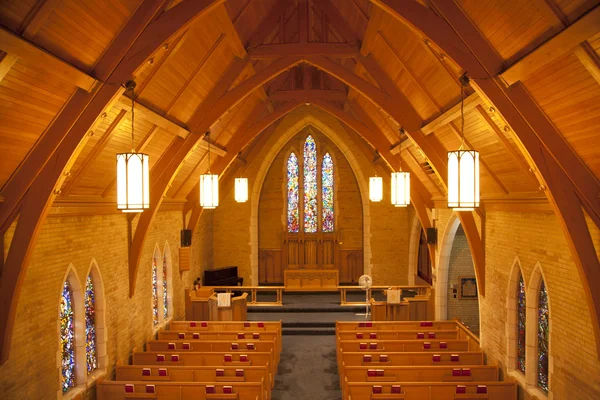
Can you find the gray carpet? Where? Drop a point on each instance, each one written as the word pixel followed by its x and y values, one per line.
pixel 307 369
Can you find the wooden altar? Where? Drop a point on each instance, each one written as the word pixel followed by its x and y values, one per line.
pixel 311 279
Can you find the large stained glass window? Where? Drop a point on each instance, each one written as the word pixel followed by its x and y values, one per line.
pixel 293 211
pixel 67 338
pixel 164 288
pixel 91 357
pixel 154 292
pixel 521 311
pixel 310 185
pixel 542 336
pixel 327 193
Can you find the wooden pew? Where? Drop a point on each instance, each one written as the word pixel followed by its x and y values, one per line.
pixel 433 391
pixel 196 326
pixel 182 358
pixel 117 390
pixel 244 346
pixel 374 326
pixel 404 345
pixel 398 335
pixel 223 374
pixel 473 373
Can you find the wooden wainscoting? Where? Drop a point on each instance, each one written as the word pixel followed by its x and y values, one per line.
pixel 351 265
pixel 270 266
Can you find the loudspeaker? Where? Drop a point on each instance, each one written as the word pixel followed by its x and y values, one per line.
pixel 431 235
pixel 186 237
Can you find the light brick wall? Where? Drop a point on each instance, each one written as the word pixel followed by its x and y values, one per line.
pixel 32 372
pixel 461 264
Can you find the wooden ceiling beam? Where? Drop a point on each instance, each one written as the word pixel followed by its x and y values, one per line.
pixel 6 63
pixel 36 18
pixel 338 22
pixel 590 59
pixel 268 24
pixel 155 118
pixel 22 48
pixel 44 168
pixel 334 50
pixel 568 182
pixel 327 95
pixel 434 182
pixel 564 42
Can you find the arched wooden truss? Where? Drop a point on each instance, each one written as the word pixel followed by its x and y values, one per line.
pixel 37 183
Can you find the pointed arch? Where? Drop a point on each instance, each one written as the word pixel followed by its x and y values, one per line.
pixel 327 193
pixel 516 309
pixel 99 308
pixel 293 193
pixel 71 333
pixel 156 282
pixel 310 185
pixel 413 249
pixel 441 281
pixel 167 284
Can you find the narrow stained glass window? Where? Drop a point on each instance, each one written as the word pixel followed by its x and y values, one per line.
pixel 154 292
pixel 542 336
pixel 310 185
pixel 293 212
pixel 164 288
pixel 521 311
pixel 90 326
pixel 327 193
pixel 67 338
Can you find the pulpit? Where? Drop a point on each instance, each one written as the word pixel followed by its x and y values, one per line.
pixel 196 304
pixel 234 310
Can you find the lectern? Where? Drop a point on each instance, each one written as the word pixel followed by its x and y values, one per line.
pixel 235 311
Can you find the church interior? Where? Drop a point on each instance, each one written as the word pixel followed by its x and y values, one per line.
pixel 300 199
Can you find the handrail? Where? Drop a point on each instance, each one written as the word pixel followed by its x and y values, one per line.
pixel 470 335
pixel 420 289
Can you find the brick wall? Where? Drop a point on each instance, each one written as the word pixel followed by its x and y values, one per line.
pixel 32 372
pixel 461 265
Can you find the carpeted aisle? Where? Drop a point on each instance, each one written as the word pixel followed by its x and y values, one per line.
pixel 307 369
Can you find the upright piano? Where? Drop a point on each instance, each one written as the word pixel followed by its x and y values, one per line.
pixel 227 276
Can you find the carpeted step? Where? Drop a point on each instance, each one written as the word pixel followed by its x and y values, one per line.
pixel 308 308
pixel 311 324
pixel 314 331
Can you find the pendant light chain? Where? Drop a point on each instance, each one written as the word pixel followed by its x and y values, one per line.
pixel 208 140
pixel 462 117
pixel 132 118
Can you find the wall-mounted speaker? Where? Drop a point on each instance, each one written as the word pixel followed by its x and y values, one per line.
pixel 431 235
pixel 186 237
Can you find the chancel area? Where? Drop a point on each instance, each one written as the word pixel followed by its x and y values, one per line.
pixel 300 199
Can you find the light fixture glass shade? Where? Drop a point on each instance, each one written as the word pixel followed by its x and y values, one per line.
pixel 133 183
pixel 241 190
pixel 209 191
pixel 400 189
pixel 376 188
pixel 463 180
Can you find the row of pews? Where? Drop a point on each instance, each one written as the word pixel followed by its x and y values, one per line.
pixel 415 360
pixel 201 360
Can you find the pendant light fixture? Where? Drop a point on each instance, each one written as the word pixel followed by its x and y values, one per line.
pixel 241 190
pixel 133 182
pixel 375 188
pixel 463 168
pixel 401 183
pixel 209 185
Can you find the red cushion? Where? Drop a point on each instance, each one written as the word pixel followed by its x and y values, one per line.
pixel 431 335
pixel 377 389
pixel 129 388
pixel 362 346
pixel 171 346
pixel 456 372
pixel 372 335
pixel 379 372
pixel 186 346
pixel 146 371
pixel 371 372
pixel 196 335
pixel 427 345
pixel 246 324
pixel 210 389
pixel 436 358
pixel 227 358
pixel 368 324
pixel 420 335
pixel 383 358
pixel 227 389
pixel 150 389
pixel 461 389
pixel 256 335
pixel 373 346
pixel 160 357
pixel 250 346
pixel 243 357
pixel 366 358
pixel 359 335
pixel 466 372
pixel 175 357
pixel 361 324
pixel 204 324
pixel 261 324
pixel 454 357
pixel 396 389
pixel 234 346
pixel 220 372
pixel 481 389
pixel 240 336
pixel 162 372
pixel 443 345
pixel 239 372
pixel 192 324
pixel 181 335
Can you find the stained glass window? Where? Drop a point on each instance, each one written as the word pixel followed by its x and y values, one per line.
pixel 90 326
pixel 542 335
pixel 327 193
pixel 154 292
pixel 164 294
pixel 293 212
pixel 67 338
pixel 310 185
pixel 521 311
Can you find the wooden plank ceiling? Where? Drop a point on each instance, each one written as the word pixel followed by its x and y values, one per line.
pixel 390 56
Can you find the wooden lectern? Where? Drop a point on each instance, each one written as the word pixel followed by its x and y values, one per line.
pixel 236 311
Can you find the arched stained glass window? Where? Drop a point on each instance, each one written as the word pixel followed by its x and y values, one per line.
pixel 154 292
pixel 67 338
pixel 90 326
pixel 310 185
pixel 521 311
pixel 542 336
pixel 327 193
pixel 164 288
pixel 293 212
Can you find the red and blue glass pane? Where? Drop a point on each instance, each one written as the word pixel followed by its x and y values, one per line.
pixel 67 339
pixel 154 292
pixel 293 212
pixel 165 293
pixel 310 185
pixel 327 193
pixel 90 326
pixel 543 331
pixel 521 312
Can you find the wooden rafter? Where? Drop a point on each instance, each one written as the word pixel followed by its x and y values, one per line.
pixel 6 63
pixel 333 16
pixel 268 24
pixel 327 95
pixel 434 181
pixel 135 42
pixel 335 50
pixel 36 18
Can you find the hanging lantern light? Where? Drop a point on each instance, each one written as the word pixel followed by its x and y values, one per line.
pixel 375 188
pixel 401 184
pixel 463 169
pixel 133 182
pixel 241 190
pixel 209 186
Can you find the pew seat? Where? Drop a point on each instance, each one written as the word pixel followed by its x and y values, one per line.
pixel 398 335
pixel 404 345
pixel 396 325
pixel 232 335
pixel 268 326
pixel 431 391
